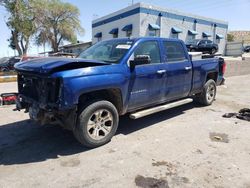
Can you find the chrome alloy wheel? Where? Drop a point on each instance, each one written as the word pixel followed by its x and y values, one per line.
pixel 100 124
pixel 210 93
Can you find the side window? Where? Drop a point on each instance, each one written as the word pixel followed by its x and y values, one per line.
pixel 209 42
pixel 175 51
pixel 202 42
pixel 149 48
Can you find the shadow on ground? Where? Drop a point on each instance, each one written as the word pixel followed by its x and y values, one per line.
pixel 25 142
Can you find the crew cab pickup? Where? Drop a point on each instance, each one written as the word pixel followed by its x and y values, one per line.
pixel 137 76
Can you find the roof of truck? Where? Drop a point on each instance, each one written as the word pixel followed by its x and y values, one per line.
pixel 144 38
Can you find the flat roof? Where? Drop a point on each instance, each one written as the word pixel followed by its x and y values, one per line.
pixel 74 45
pixel 155 10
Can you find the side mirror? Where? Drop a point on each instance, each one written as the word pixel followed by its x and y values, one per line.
pixel 139 60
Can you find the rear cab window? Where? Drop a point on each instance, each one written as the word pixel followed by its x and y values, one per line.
pixel 174 51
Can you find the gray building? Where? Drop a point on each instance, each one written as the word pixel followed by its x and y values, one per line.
pixel 141 20
pixel 75 48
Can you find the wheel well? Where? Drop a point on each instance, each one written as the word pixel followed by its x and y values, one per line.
pixel 112 95
pixel 212 75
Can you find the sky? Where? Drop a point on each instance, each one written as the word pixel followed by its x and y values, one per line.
pixel 235 12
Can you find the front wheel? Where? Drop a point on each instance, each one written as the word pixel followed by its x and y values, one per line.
pixel 208 94
pixel 96 124
pixel 213 51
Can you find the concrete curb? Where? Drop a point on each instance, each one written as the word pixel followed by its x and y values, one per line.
pixel 11 78
pixel 8 73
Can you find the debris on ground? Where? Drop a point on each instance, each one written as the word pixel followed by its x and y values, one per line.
pixel 171 168
pixel 244 114
pixel 148 182
pixel 219 137
pixel 7 98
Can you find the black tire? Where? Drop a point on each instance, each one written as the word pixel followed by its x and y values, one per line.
pixel 208 94
pixel 5 69
pixel 192 50
pixel 213 51
pixel 85 136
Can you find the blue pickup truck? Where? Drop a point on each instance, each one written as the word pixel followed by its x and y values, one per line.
pixel 139 76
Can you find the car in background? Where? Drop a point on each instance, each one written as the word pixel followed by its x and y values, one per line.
pixel 7 64
pixel 247 49
pixel 202 45
pixel 4 64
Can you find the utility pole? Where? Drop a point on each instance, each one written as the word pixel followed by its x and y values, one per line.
pixel 132 2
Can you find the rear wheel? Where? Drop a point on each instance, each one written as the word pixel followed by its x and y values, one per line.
pixel 96 124
pixel 208 94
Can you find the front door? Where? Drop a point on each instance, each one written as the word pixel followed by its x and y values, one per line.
pixel 146 80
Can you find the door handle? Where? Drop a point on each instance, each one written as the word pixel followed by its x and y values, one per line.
pixel 188 68
pixel 161 71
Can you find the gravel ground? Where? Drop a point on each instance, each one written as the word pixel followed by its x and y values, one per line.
pixel 189 146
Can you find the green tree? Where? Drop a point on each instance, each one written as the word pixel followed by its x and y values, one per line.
pixel 2 2
pixel 57 22
pixel 21 23
pixel 230 37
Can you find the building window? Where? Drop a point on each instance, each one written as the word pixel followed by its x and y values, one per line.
pixel 129 33
pixel 175 32
pixel 115 35
pixel 154 30
pixel 114 32
pixel 98 36
pixel 153 33
pixel 191 35
pixel 175 35
pixel 128 30
pixel 205 35
pixel 218 38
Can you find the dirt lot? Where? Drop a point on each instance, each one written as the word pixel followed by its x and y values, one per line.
pixel 189 146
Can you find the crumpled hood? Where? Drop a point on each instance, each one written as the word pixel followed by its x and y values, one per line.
pixel 55 64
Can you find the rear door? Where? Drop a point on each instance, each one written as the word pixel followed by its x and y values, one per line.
pixel 146 80
pixel 178 80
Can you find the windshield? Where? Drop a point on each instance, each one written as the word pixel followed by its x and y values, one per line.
pixel 108 51
pixel 193 41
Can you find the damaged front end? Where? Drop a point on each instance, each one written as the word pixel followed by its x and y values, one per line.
pixel 41 97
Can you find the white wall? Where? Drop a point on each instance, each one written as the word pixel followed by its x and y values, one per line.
pixel 106 28
pixel 142 20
